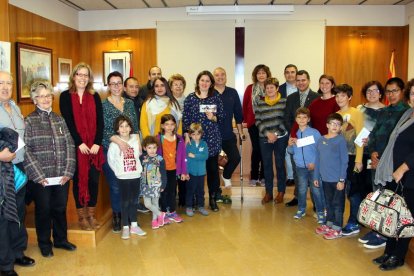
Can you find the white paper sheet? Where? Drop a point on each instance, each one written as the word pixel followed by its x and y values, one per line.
pixel 53 180
pixel 362 135
pixel 20 144
pixel 305 141
pixel 208 108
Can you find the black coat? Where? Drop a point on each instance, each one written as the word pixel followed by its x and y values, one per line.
pixel 293 103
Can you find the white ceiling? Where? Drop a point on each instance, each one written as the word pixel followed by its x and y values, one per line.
pixel 142 4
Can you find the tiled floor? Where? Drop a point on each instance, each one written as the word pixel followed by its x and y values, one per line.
pixel 241 239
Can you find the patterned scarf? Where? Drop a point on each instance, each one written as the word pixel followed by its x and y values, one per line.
pixel 385 169
pixel 84 116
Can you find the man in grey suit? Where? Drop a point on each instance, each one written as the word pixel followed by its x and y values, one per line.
pixel 302 98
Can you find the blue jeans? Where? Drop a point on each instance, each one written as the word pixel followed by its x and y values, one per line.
pixel 289 167
pixel 277 148
pixel 335 203
pixel 305 179
pixel 195 187
pixel 112 181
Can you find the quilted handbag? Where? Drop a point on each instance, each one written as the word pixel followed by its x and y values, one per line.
pixel 386 212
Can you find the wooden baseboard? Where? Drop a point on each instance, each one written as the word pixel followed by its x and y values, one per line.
pixel 82 238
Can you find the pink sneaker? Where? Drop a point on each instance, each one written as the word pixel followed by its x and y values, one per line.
pixel 333 234
pixel 323 229
pixel 161 219
pixel 154 224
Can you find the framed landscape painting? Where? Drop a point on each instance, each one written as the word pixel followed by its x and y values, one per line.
pixel 33 63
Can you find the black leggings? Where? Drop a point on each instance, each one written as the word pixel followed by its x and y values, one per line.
pixel 129 190
pixel 167 199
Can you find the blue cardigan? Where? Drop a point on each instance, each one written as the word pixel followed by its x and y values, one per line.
pixel 197 166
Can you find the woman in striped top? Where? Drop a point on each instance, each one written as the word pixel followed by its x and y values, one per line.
pixel 270 113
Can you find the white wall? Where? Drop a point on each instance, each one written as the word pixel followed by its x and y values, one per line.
pixel 53 10
pixel 278 43
pixel 410 18
pixel 349 15
pixel 191 48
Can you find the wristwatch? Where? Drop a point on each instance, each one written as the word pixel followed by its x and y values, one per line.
pixel 342 180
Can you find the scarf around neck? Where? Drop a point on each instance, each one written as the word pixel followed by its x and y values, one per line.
pixel 85 121
pixel 385 169
pixel 274 101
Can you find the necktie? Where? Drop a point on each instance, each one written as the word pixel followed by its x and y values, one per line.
pixel 302 99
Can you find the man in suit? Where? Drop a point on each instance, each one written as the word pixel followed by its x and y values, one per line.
pixel 301 98
pixel 289 87
pixel 286 89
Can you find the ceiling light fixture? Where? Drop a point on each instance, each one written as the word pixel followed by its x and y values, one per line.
pixel 239 10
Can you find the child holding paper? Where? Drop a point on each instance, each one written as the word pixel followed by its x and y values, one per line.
pixel 303 149
pixel 352 126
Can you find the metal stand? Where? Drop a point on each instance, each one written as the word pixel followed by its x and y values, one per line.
pixel 241 169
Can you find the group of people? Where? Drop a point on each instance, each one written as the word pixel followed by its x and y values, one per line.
pixel 153 139
pixel 318 131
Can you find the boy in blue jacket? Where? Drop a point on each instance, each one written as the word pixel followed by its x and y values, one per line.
pixel 197 154
pixel 303 149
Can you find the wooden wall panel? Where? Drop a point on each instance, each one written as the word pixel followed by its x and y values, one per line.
pixel 4 20
pixel 142 43
pixel 356 55
pixel 32 29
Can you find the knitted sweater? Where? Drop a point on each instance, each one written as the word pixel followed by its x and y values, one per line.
pixel 270 118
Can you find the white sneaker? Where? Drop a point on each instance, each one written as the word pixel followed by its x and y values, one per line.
pixel 125 233
pixel 136 230
pixel 227 182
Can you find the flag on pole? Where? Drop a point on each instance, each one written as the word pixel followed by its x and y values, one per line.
pixel 131 69
pixel 391 72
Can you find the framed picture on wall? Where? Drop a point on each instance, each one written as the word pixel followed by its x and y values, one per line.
pixel 33 63
pixel 65 68
pixel 5 56
pixel 117 61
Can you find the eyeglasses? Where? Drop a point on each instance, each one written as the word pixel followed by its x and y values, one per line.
pixel 394 91
pixel 42 97
pixel 82 75
pixel 372 91
pixel 115 84
pixel 6 83
pixel 334 124
pixel 177 84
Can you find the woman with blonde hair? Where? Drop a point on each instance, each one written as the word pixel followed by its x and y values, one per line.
pixel 81 108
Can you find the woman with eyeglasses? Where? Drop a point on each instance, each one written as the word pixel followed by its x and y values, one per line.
pixel 50 152
pixel 114 106
pixel 81 108
pixel 409 92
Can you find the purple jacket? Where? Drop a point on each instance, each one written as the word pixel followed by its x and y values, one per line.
pixel 181 160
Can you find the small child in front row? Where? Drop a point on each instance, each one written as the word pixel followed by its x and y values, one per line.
pixel 330 165
pixel 172 149
pixel 197 154
pixel 127 168
pixel 153 180
pixel 304 157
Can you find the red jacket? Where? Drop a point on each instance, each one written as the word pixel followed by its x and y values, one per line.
pixel 248 113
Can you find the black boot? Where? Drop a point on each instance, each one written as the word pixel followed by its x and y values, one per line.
pixel 213 203
pixel 116 222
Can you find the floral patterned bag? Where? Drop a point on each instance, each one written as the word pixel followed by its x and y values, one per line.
pixel 386 212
